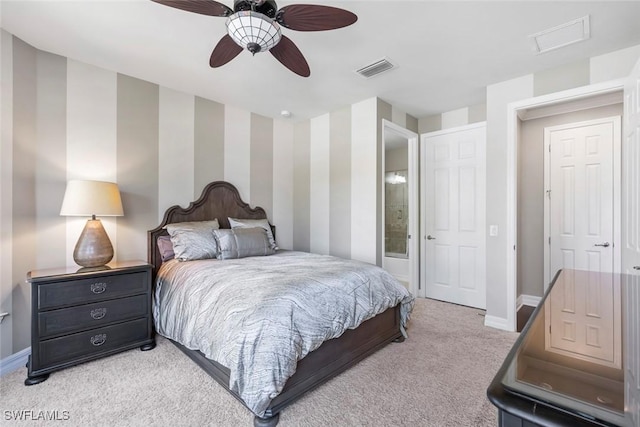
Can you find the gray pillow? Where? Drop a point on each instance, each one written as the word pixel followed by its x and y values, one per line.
pixel 193 240
pixel 242 242
pixel 166 248
pixel 251 223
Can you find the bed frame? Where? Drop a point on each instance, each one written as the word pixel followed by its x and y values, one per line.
pixel 221 200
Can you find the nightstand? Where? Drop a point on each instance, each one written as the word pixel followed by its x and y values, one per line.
pixel 78 315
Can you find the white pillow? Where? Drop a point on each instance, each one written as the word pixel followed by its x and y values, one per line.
pixel 193 240
pixel 252 223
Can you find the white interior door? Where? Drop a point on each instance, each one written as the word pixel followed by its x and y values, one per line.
pixel 582 183
pixel 454 242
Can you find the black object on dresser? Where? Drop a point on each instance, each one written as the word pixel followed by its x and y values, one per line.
pixel 84 314
pixel 577 361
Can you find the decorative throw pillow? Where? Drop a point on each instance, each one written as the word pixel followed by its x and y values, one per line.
pixel 242 242
pixel 251 223
pixel 193 240
pixel 166 248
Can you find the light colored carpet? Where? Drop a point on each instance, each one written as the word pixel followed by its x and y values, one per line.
pixel 438 377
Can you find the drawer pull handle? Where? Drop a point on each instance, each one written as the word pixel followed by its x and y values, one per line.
pixel 98 340
pixel 98 313
pixel 98 288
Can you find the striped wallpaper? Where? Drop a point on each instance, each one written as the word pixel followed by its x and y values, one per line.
pixel 62 119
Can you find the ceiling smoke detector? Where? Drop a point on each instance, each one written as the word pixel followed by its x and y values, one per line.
pixel 563 35
pixel 376 68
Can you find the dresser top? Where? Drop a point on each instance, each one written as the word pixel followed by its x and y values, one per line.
pixel 579 351
pixel 76 271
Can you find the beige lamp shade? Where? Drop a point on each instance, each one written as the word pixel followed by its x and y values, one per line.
pixel 87 198
pixel 91 198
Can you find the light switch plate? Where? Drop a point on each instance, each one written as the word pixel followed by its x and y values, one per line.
pixel 493 230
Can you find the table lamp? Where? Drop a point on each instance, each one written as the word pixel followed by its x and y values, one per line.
pixel 91 198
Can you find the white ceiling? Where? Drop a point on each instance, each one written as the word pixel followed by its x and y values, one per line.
pixel 447 52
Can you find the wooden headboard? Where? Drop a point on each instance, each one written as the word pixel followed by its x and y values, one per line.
pixel 219 200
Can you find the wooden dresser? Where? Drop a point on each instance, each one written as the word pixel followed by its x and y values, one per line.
pixel 85 314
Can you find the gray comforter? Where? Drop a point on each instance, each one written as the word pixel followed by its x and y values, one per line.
pixel 258 316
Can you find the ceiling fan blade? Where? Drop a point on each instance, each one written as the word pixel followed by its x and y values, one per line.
pixel 203 7
pixel 290 56
pixel 309 17
pixel 225 51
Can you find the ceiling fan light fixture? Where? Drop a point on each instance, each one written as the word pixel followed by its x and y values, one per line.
pixel 253 31
pixel 255 25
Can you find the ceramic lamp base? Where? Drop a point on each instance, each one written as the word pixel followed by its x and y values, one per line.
pixel 94 248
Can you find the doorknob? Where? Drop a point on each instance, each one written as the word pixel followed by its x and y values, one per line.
pixel 604 245
pixel 430 237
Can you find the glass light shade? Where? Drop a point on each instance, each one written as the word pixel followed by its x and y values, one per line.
pixel 87 198
pixel 253 31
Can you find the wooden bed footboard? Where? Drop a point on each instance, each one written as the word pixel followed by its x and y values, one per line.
pixel 330 359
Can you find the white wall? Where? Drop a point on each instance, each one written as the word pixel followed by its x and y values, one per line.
pixel 498 97
pixel 320 184
pixel 176 136
pixel 363 180
pixel 613 65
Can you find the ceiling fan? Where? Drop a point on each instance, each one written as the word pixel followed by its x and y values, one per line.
pixel 255 25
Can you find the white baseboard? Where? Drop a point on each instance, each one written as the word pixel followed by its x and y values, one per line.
pixel 497 323
pixel 530 300
pixel 15 361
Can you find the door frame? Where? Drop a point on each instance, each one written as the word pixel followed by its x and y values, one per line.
pixel 423 201
pixel 617 176
pixel 414 201
pixel 515 111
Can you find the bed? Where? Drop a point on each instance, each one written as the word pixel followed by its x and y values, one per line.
pixel 220 200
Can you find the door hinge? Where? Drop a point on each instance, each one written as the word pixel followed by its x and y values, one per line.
pixel 549 240
pixel 549 328
pixel 548 194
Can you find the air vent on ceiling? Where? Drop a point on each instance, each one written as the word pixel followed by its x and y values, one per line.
pixel 561 35
pixel 375 68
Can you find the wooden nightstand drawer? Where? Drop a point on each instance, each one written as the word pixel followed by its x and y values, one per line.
pixel 66 320
pixel 82 291
pixel 92 342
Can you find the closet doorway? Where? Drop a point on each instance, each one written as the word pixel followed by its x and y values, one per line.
pixel 400 203
pixel 527 265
